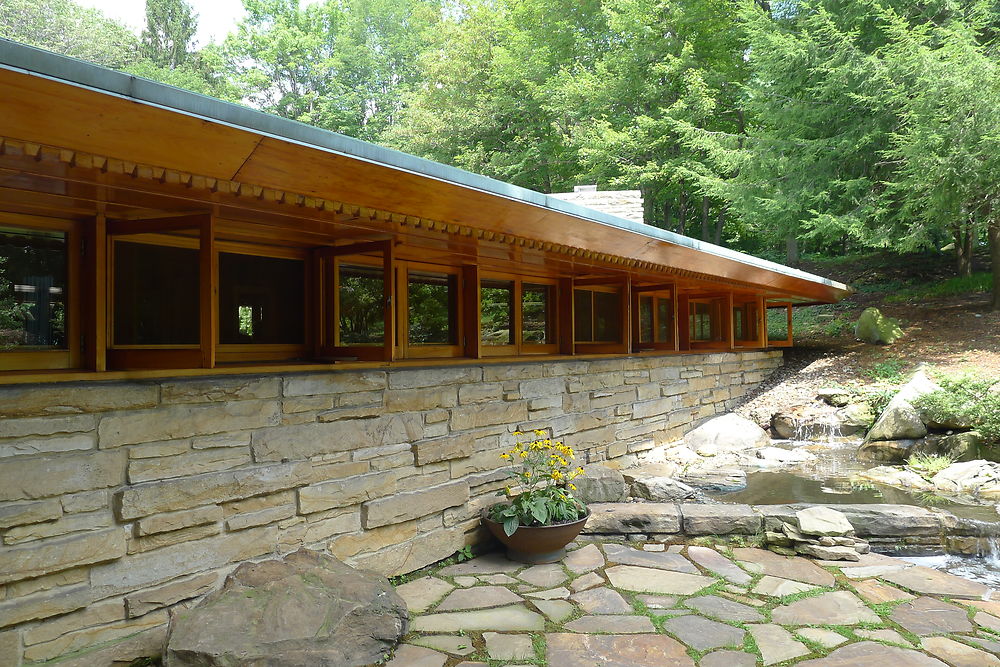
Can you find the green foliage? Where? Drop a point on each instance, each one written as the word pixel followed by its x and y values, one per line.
pixel 965 399
pixel 170 28
pixel 12 313
pixel 977 283
pixel 928 465
pixel 890 370
pixel 543 470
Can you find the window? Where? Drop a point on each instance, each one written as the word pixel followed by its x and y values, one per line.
pixel 597 316
pixel 261 300
pixel 655 320
pixel 664 320
pixel 432 310
pixel 704 321
pixel 361 318
pixel 537 314
pixel 33 289
pixel 746 323
pixel 496 299
pixel 155 295
pixel 779 324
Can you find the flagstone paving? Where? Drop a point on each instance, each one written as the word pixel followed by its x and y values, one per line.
pixel 616 604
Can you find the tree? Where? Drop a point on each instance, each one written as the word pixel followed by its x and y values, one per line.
pixel 67 28
pixel 170 28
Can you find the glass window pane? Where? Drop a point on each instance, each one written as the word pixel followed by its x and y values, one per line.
pixel 433 308
pixel 261 300
pixel 701 321
pixel 777 323
pixel 156 295
pixel 536 314
pixel 664 320
pixel 362 313
pixel 739 332
pixel 645 319
pixel 32 288
pixel 607 317
pixel 583 308
pixel 497 312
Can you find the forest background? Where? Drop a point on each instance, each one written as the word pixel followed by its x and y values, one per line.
pixel 787 129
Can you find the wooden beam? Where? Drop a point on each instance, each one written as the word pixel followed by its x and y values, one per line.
pixel 653 288
pixel 761 323
pixel 96 294
pixel 157 225
pixel 209 293
pixel 683 320
pixel 355 248
pixel 626 308
pixel 388 267
pixel 565 317
pixel 472 311
pixel 609 280
pixel 727 321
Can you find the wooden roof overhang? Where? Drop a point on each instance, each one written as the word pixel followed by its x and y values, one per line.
pixel 77 138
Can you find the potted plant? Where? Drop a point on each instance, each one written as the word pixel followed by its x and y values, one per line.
pixel 541 516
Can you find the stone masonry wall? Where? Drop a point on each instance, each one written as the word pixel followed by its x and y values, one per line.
pixel 122 500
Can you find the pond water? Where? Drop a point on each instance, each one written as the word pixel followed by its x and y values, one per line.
pixel 984 568
pixel 828 479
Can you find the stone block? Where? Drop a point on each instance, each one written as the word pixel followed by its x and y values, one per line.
pixel 595 381
pixel 145 644
pixel 75 641
pixel 479 393
pixel 370 541
pixel 354 412
pixel 542 388
pixel 629 518
pixel 426 398
pixel 345 492
pixel 444 448
pixel 61 554
pixel 48 582
pixel 406 506
pixel 54 475
pixel 334 383
pixel 162 523
pixel 488 460
pixel 152 450
pixel 153 567
pixel 10 647
pixel 150 599
pixel 413 554
pixel 44 605
pixel 173 422
pixel 258 503
pixel 221 440
pixel 434 377
pixel 72 523
pixel 468 417
pixel 74 398
pixel 49 445
pixel 40 426
pixel 192 463
pixel 22 514
pixel 260 517
pixel 238 388
pixel 98 613
pixel 160 540
pixel 187 492
pixel 308 440
pixel 722 519
pixel 318 530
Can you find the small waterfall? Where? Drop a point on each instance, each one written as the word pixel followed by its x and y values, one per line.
pixel 990 550
pixel 817 428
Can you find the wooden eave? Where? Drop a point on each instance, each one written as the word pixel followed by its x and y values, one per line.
pixel 109 144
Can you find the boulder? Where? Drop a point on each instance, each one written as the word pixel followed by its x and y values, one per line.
pixel 661 489
pixel 874 327
pixel 600 484
pixel 305 609
pixel 720 479
pixel 823 521
pixel 728 433
pixel 834 396
pixel 898 477
pixel 957 446
pixel 886 451
pixel 855 418
pixel 776 456
pixel 784 425
pixel 900 420
pixel 973 478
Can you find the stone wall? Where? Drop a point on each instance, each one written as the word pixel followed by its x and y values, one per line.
pixel 120 501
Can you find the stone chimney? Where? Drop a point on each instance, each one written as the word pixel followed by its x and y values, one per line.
pixel 622 203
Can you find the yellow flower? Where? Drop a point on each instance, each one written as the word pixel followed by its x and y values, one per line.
pixel 505 456
pixel 523 455
pixel 556 475
pixel 571 487
pixel 527 473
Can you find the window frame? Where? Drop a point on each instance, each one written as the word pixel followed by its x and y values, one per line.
pixel 774 305
pixel 429 350
pixel 327 265
pixel 519 347
pixel 604 285
pixel 664 293
pixel 748 304
pixel 720 321
pixel 70 357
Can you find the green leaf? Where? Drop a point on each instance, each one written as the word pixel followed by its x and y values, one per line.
pixel 510 525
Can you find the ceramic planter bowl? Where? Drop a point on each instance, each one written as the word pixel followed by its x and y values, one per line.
pixel 537 544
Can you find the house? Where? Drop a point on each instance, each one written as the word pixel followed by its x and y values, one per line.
pixel 229 335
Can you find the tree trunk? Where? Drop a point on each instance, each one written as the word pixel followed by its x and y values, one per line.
pixel 704 219
pixel 963 236
pixel 682 212
pixel 666 214
pixel 791 250
pixel 993 232
pixel 720 225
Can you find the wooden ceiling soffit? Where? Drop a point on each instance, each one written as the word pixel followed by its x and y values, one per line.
pixel 400 221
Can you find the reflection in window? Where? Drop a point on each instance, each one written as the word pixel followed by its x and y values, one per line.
pixel 261 300
pixel 702 319
pixel 536 314
pixel 362 315
pixel 597 316
pixel 433 308
pixel 645 319
pixel 155 294
pixel 497 312
pixel 32 288
pixel 664 320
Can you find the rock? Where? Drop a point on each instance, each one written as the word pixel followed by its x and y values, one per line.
pixel 887 451
pixel 478 597
pixel 775 643
pixel 837 608
pixel 900 420
pixel 602 601
pixel 969 477
pixel 876 592
pixel 584 559
pixel 784 425
pixel 304 608
pixel 820 520
pixel 724 610
pixel 828 553
pixel 834 396
pixel 872 653
pixel 612 624
pixel 499 619
pixel 600 484
pixel 624 555
pixel 855 418
pixel 958 654
pixel 778 587
pixel 640 579
pixel 727 433
pixel 779 456
pixel 660 489
pixel 826 638
pixel 702 634
pixel 626 518
pixel 873 327
pixel 799 569
pixel 714 562
pixel 926 581
pixel 960 445
pixel 875 519
pixel 718 478
pixel 648 650
pixel 721 519
pixel 899 477
pixel 927 616
pixel 508 647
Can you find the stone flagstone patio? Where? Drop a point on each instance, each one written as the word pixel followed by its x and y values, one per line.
pixel 648 604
